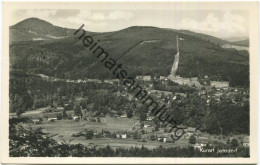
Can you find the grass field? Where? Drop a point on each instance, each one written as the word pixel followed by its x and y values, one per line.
pixel 66 128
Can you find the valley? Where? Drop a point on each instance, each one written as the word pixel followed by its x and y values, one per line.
pixel 58 88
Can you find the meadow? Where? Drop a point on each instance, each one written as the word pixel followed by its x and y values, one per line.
pixel 64 129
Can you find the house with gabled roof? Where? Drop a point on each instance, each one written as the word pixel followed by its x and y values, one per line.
pixel 120 134
pixel 162 138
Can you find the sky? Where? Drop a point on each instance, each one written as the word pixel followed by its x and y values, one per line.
pixel 219 23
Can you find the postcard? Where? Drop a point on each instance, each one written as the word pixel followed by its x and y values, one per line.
pixel 129 82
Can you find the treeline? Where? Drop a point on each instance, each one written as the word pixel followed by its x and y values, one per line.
pixel 210 115
pixel 26 142
pixel 235 72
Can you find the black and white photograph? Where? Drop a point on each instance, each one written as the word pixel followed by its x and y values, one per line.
pixel 130 80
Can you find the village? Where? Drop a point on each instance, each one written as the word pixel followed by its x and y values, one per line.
pixel 118 128
pixel 89 123
pixel 125 122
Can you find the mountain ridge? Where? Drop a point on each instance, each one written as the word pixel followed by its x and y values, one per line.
pixel 42 25
pixel 142 50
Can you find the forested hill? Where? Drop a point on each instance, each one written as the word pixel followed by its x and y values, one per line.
pixel 36 29
pixel 242 42
pixel 37 46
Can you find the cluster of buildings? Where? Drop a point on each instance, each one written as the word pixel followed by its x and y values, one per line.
pixel 109 81
pixel 193 81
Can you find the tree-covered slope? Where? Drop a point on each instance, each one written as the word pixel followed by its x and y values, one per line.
pixel 141 50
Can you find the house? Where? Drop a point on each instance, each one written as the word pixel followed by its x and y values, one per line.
pixel 219 84
pixel 149 118
pixel 75 117
pixel 197 146
pixel 246 142
pixel 163 77
pixel 120 134
pixel 35 119
pixel 123 116
pixel 144 78
pixel 60 109
pixel 79 81
pixel 52 116
pixel 123 136
pixel 162 138
pixel 111 81
pixel 181 80
pixel 202 141
pixel 148 124
pixel 166 138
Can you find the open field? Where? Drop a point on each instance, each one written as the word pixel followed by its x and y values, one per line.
pixel 66 128
pixel 128 143
pixel 31 113
pixel 72 126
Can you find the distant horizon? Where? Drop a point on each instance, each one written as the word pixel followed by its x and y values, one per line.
pixel 218 23
pixel 226 38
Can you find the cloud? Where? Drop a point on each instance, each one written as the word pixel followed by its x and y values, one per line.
pixel 229 23
pixel 97 19
pixel 116 15
pixel 40 13
pixel 98 16
pixel 88 15
pixel 88 18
